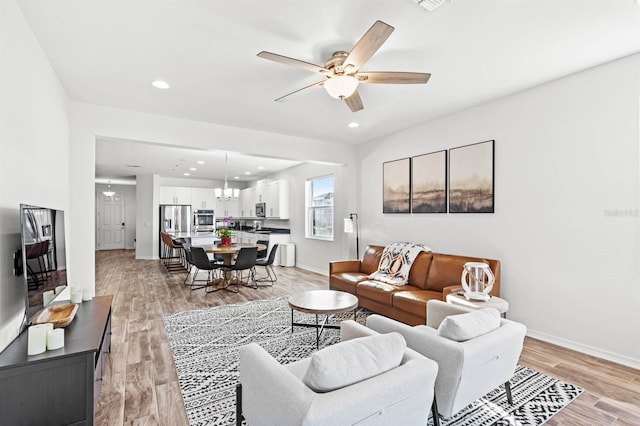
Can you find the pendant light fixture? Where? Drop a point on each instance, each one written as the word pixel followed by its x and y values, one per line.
pixel 109 192
pixel 225 193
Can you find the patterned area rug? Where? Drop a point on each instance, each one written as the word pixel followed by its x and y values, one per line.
pixel 205 346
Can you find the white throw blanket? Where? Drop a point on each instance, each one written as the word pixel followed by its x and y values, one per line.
pixel 396 262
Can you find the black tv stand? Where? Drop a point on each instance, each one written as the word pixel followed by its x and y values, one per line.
pixel 58 387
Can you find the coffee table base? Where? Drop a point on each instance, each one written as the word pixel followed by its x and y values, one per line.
pixel 319 327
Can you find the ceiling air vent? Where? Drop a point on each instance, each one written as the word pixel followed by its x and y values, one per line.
pixel 431 5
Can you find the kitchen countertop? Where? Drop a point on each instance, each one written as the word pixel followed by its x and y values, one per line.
pixel 208 234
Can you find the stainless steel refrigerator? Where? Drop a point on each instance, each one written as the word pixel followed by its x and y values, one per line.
pixel 174 219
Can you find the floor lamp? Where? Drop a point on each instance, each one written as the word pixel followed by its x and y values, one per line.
pixel 350 224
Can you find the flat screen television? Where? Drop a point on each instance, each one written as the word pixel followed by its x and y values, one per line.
pixel 43 252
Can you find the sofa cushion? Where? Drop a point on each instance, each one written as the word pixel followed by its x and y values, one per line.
pixel 346 281
pixel 415 301
pixel 471 325
pixel 378 291
pixel 420 269
pixel 371 259
pixel 354 360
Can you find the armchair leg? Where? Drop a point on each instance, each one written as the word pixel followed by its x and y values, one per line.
pixel 507 388
pixel 239 417
pixel 434 412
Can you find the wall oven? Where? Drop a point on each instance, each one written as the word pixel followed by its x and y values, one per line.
pixel 260 210
pixel 203 220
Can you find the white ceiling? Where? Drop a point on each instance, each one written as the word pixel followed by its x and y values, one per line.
pixel 107 52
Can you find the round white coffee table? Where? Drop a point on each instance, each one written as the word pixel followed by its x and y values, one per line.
pixel 322 302
pixel 494 302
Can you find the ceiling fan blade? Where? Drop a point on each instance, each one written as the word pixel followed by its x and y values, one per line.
pixel 368 45
pixel 354 102
pixel 392 77
pixel 299 91
pixel 293 62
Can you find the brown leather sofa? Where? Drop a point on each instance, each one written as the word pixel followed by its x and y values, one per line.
pixel 432 276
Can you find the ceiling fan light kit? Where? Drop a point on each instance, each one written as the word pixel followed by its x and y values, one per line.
pixel 341 86
pixel 341 72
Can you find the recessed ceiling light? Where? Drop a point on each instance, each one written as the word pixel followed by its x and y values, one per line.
pixel 353 124
pixel 160 84
pixel 260 168
pixel 193 169
pixel 187 174
pixel 236 177
pixel 200 162
pixel 247 173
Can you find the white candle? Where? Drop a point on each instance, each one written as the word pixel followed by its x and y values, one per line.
pixel 87 294
pixel 55 339
pixel 37 339
pixel 48 326
pixel 60 288
pixel 76 294
pixel 47 297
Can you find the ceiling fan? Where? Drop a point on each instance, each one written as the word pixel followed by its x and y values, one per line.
pixel 342 73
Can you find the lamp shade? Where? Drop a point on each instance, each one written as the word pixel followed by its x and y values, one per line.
pixel 348 226
pixel 341 86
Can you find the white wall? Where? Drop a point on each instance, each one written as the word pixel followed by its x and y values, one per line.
pixel 147 221
pixel 34 149
pixel 566 215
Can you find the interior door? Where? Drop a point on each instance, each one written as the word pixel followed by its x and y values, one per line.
pixel 110 221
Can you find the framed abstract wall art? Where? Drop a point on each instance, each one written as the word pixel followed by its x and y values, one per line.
pixel 396 186
pixel 429 183
pixel 471 176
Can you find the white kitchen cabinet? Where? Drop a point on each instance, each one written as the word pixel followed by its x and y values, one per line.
pixel 277 199
pixel 248 202
pixel 203 198
pixel 227 208
pixel 175 195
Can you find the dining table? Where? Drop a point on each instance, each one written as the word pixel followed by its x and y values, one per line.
pixel 228 252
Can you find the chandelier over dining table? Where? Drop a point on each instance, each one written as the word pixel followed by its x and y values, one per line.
pixel 225 193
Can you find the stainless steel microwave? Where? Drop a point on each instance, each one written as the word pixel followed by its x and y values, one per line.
pixel 261 210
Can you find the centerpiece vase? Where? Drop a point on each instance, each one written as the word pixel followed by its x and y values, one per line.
pixel 226 241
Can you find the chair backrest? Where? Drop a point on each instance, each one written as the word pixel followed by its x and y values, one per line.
pixel 246 258
pixel 186 247
pixel 200 259
pixel 262 254
pixel 272 254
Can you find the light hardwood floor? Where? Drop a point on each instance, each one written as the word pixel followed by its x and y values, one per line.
pixel 140 385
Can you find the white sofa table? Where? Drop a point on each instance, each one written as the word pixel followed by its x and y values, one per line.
pixel 494 302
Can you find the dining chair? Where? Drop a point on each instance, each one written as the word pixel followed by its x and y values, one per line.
pixel 170 246
pixel 245 261
pixel 267 263
pixel 202 262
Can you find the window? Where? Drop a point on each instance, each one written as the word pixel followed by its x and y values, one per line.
pixel 319 203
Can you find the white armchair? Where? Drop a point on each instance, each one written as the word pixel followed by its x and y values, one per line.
pixel 273 394
pixel 467 370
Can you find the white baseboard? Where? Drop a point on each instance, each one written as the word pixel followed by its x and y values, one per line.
pixel 586 349
pixel 312 269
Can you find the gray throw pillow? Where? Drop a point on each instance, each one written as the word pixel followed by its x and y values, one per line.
pixel 354 360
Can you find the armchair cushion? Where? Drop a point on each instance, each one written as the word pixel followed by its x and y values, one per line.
pixel 463 327
pixel 353 361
